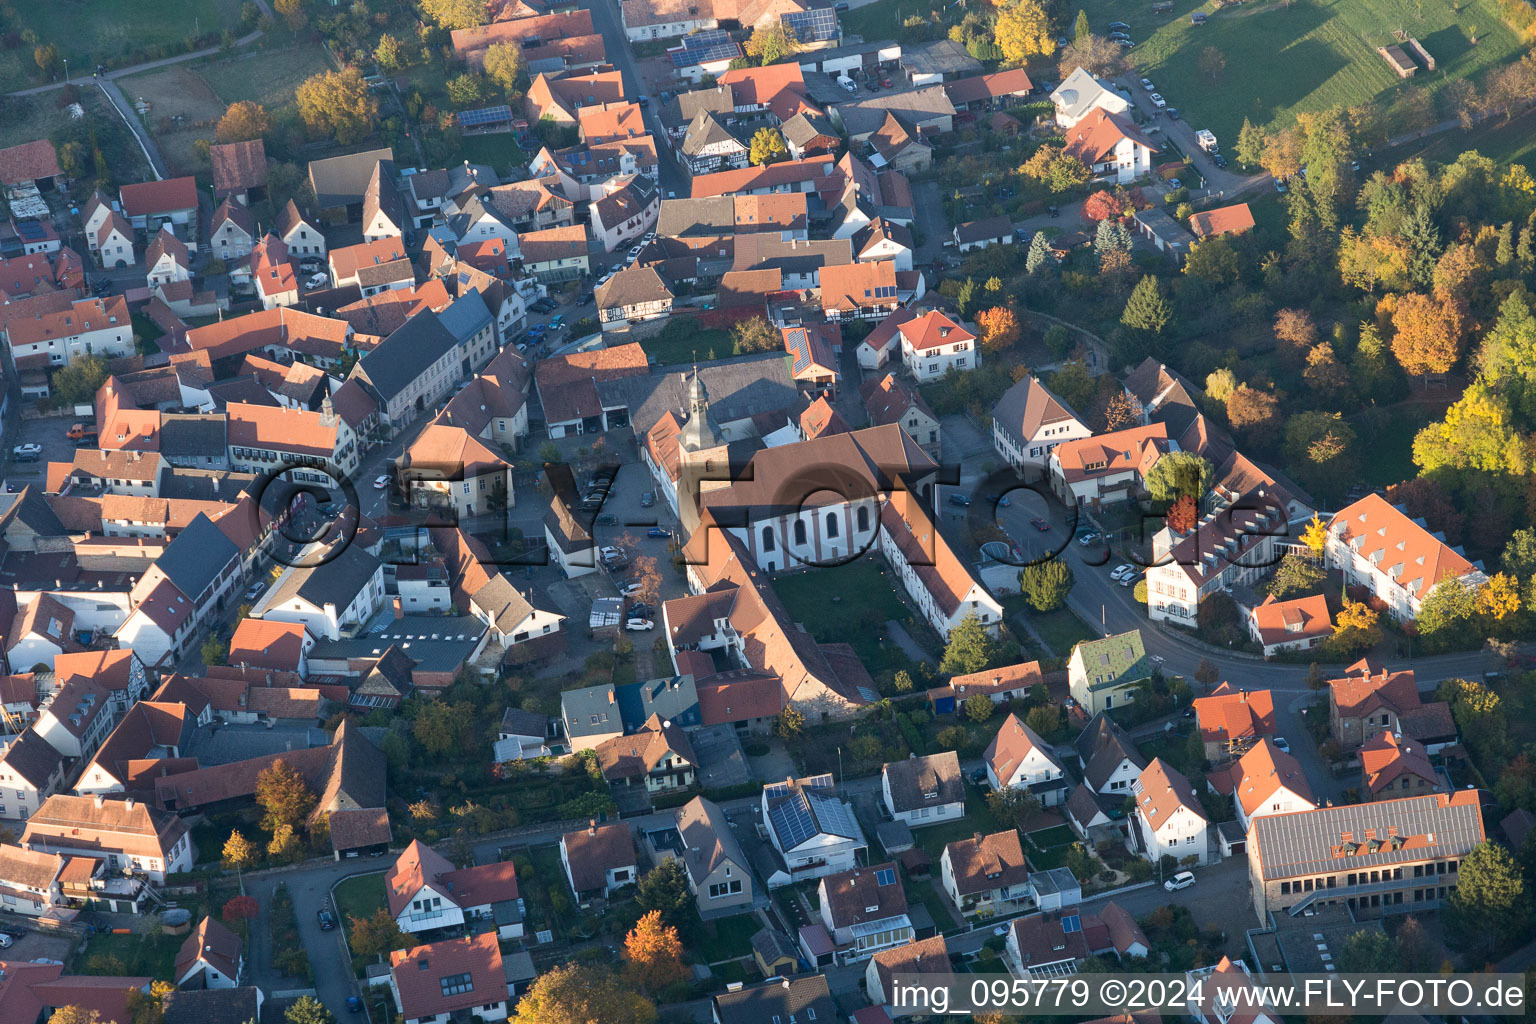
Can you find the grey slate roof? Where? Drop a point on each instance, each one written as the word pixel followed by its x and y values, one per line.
pixel 1303 843
pixel 703 131
pixel 336 582
pixel 212 1006
pixel 738 389
pixel 517 722
pixel 194 434
pixel 709 216
pixel 343 180
pixel 1102 745
pixel 911 780
pixel 438 643
pixel 206 484
pixel 406 354
pixel 803 997
pixel 33 758
pixel 30 508
pixel 466 316
pixel 196 556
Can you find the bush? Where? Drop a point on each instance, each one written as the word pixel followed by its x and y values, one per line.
pixel 754 748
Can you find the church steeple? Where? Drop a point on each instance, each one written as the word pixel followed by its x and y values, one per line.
pixel 699 432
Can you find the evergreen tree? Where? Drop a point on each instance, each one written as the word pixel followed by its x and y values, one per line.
pixel 1039 256
pixel 1525 252
pixel 1424 246
pixel 970 648
pixel 1489 905
pixel 1504 254
pixel 1146 310
pixel 1083 29
pixel 1046 585
pixel 1250 144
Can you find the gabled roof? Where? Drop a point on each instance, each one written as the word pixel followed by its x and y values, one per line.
pixel 593 851
pixel 805 997
pixel 441 978
pixel 923 956
pixel 150 198
pixel 888 399
pixel 1161 791
pixel 1080 92
pixel 167 244
pixel 28 162
pixel 1013 743
pixel 1029 407
pixel 708 840
pixel 238 166
pixel 982 863
pixel 925 781
pixel 863 895
pixel 417 866
pixel 1383 534
pixel 198 554
pixel 213 944
pixel 1300 618
pixel 268 644
pixel 820 418
pixel 642 752
pixel 383 198
pixel 1225 220
pixel 1093 139
pixel 932 330
pixel 342 180
pixel 856 286
pixel 1012 82
pixel 1117 452
pixel 1264 771
pixel 33 759
pixel 1388 757
pixel 1230 715
pixel 407 353
pixel 1363 691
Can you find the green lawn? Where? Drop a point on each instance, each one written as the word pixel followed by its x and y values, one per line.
pixel 1061 630
pixel 91 31
pixel 1282 58
pixel 683 341
pixel 360 895
pixel 500 151
pixel 729 937
pixel 1514 142
pixel 978 818
pixel 268 76
pixel 844 604
pixel 1388 436
pixel 1053 837
pixel 926 891
pixel 152 955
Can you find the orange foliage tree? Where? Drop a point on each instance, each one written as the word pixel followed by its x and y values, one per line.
pixel 653 953
pixel 999 328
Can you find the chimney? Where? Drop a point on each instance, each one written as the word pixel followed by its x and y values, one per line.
pixel 591 826
pixel 399 611
pixel 128 803
pixel 97 801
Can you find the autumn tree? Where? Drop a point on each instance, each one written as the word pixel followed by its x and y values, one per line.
pixel 1251 409
pixel 1296 576
pixel 1147 310
pixel 389 54
pixel 147 1007
pixel 238 909
pixel 47 58
pixel 74 1015
pixel 505 66
pixel 1219 384
pixel 239 854
pixel 767 146
pixel 1214 260
pixel 1183 515
pixel 1097 55
pixel 442 728
pixel 1355 629
pixel 1102 205
pixel 1323 449
pixel 1324 374
pixel 1023 31
pixel 283 795
pixel 1428 334
pixel 755 334
pixel 452 14
pixel 1212 62
pixel 665 890
pixel 293 12
pixel 580 994
pixel 790 722
pixel 337 104
pixel 1121 410
pixel 376 935
pixel 284 846
pixel 999 328
pixel 1016 807
pixel 1296 329
pixel 1281 155
pixel 769 44
pixel 1206 673
pixel 653 953
pixel 648 575
pixel 1178 474
pixel 1499 598
pixel 1507 358
pixel 242 122
pixel 1478 434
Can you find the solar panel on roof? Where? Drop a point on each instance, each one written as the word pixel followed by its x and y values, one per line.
pixel 812 26
pixel 1071 923
pixel 485 115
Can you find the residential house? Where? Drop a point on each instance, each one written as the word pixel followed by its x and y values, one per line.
pixel 805 997
pixel 1365 702
pixel 1226 993
pixel 633 295
pixel 1265 780
pixel 1112 146
pixel 1167 235
pixel 1391 766
pixel 864 910
pixel 982 93
pixel 41 633
pixel 810 826
pixel 108 234
pixel 881 344
pixel 582 392
pixel 978 234
pixel 167 259
pixel 1029 421
pixel 455 978
pixel 524 630
pixel 560 98
pixel 239 171
pixel 657 757
pixel 211 957
pixel 425 892
pixel 1300 624
pixel 300 235
pixel 1108 468
pixel 372 267
pixel 1377 548
pixel 710 146
pixel 29 882
pixel 598 860
pixel 477 221
pixel 556 254
pixel 383 210
pixel 933 344
pixel 625 213
pixel 306 446
pixel 1018 758
pixel 568 534
pixel 1106 673
pixel 986 875
pixel 338 596
pixel 718 871
pixel 524 736
pixel 232 232
pixel 1109 757
pixel 859 291
pixel 1080 94
pixel 82 327
pixel 447 468
pixel 413 369
pixel 31 770
pixel 1229 549
pixel 1231 720
pixel 897 146
pixel 813 357
pixel 1401 853
pixel 125 834
pixel 924 790
pixel 77 719
pixel 271 645
pixel 188 584
pixel 1224 220
pixel 928 956
pixel 339 183
pixel 999 685
pixel 149 204
pixel 276 283
pixel 808 134
pixel 883 239
pixel 1169 820
pixel 890 399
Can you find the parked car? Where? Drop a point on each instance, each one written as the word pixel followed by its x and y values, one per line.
pixel 647 499
pixel 1219 161
pixel 635 252
pixel 840 8
pixel 607 519
pixel 1119 26
pixel 1173 113
pixel 1158 101
pixel 1174 183
pixel 310 264
pixel 1087 538
pixel 327 920
pixel 27 452
pixel 1120 36
pixel 354 1004
pixel 640 611
pixel 1043 525
pixel 1146 83
pixel 658 531
pixel 556 322
pixel 1279 186
pixel 1182 880
pixel 255 590
pixel 1282 744
pixel 101 285
pixel 317 281
pixel 643 101
pixel 1124 44
pixel 639 625
pixel 5 941
pixel 381 481
pixel 1130 578
pixel 609 551
pixel 1000 500
pixel 629 588
pixel 1120 571
pixel 960 501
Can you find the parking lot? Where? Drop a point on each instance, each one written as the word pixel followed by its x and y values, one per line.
pixel 49 433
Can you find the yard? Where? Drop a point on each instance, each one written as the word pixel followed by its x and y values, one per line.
pixel 1327 49
pixel 359 896
pixel 978 818
pixel 854 611
pixel 109 31
pixel 182 109
pixel 25 118
pixel 269 76
pixel 683 341
pixel 152 955
pixel 499 151
pixel 1060 630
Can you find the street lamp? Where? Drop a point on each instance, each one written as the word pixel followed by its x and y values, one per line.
pixel 66 70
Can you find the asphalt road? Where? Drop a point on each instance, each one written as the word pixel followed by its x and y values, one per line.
pixel 605 17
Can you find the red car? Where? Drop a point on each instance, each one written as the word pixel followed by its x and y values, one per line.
pixel 1040 524
pixel 885 83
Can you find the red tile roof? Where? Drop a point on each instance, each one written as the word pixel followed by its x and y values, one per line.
pixel 1093 139
pixel 932 330
pixel 419 975
pixel 1301 618
pixel 1228 715
pixel 28 161
pixel 1227 220
pixel 1383 534
pixel 1389 757
pixel 238 166
pixel 261 643
pixel 1161 790
pixel 156 197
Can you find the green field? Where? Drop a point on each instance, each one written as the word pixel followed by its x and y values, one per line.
pixel 152 955
pixel 268 75
pixel 107 31
pixel 1282 58
pixel 359 896
pixel 867 600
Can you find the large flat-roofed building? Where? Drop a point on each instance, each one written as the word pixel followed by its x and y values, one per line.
pixel 1391 853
